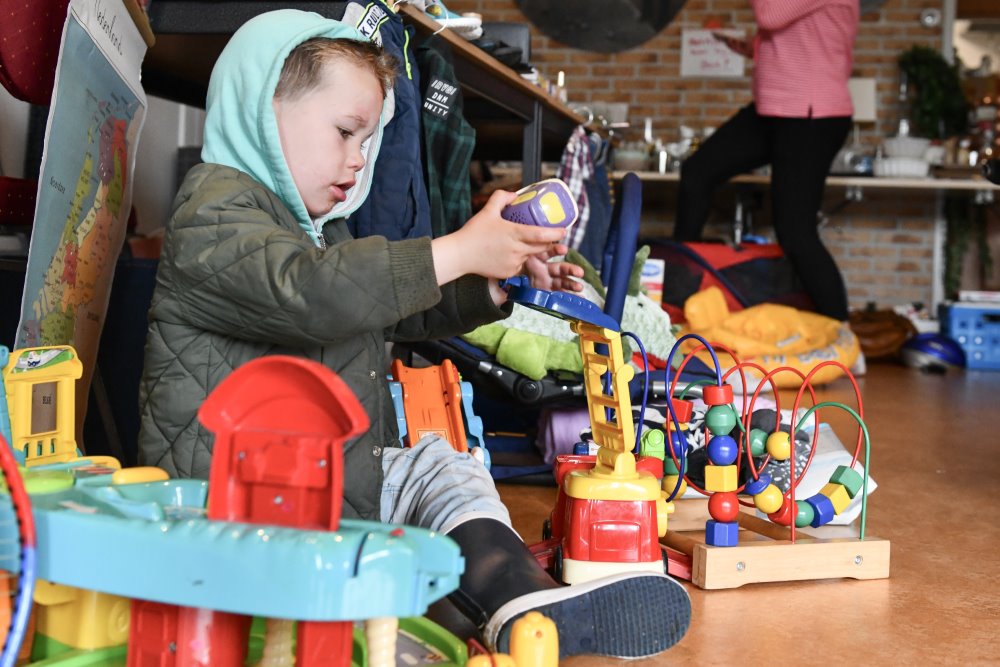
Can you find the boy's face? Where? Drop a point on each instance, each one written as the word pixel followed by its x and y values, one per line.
pixel 322 131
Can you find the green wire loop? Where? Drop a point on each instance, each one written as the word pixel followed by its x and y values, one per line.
pixel 867 463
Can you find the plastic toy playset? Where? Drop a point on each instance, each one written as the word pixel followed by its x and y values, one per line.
pixel 137 569
pixel 611 507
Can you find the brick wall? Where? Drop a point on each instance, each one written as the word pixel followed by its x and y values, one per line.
pixel 883 243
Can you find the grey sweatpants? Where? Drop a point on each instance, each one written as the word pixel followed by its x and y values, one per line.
pixel 432 486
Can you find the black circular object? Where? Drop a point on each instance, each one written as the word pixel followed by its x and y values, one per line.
pixel 606 26
pixel 871 6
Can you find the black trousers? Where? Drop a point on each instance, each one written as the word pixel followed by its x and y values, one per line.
pixel 800 151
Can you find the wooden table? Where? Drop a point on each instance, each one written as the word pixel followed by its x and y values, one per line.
pixel 936 458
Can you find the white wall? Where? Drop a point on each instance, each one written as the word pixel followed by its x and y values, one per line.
pixel 972 43
pixel 13 131
pixel 168 126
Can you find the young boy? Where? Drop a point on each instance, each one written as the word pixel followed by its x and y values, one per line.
pixel 257 260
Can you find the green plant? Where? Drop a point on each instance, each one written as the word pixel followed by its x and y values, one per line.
pixel 938 108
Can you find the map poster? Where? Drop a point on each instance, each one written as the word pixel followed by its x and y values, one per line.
pixel 85 185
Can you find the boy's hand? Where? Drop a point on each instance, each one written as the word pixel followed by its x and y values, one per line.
pixel 553 276
pixel 489 246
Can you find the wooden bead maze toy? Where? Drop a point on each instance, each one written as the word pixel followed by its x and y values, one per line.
pixel 725 558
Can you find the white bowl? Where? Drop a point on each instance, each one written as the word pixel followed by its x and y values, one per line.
pixel 631 160
pixel 901 167
pixel 911 147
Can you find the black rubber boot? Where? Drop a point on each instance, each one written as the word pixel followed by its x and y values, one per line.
pixel 631 615
pixel 498 568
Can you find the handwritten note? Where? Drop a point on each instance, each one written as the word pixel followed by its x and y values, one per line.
pixel 702 55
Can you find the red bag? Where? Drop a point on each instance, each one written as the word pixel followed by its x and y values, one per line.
pixel 747 274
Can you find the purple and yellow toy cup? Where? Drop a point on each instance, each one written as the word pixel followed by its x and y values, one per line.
pixel 547 203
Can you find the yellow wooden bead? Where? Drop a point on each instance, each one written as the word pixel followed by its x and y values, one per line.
pixel 769 500
pixel 779 446
pixel 838 495
pixel 670 481
pixel 721 478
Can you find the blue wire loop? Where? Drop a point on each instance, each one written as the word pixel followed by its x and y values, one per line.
pixel 681 456
pixel 645 388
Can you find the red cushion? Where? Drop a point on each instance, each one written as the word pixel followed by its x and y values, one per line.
pixel 30 32
pixel 17 200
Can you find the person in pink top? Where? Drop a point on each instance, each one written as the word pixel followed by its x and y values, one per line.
pixel 798 120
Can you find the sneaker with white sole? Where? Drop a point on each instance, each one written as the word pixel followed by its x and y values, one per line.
pixel 631 615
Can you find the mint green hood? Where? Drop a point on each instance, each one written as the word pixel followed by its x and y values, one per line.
pixel 240 128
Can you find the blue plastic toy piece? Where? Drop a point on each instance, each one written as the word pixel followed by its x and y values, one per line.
pixel 563 304
pixel 396 390
pixel 722 533
pixel 473 424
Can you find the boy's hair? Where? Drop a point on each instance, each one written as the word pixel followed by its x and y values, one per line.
pixel 303 68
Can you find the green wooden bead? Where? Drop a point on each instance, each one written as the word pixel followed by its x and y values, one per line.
pixel 850 478
pixel 758 441
pixel 805 514
pixel 720 419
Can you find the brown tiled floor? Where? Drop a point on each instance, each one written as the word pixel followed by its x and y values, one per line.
pixel 936 458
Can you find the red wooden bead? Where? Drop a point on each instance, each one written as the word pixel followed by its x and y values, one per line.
pixel 683 409
pixel 716 395
pixel 786 514
pixel 724 506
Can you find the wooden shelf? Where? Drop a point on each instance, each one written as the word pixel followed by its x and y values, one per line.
pixel 514 120
pixel 929 184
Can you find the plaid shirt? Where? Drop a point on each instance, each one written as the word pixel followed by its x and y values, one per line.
pixel 576 167
pixel 448 142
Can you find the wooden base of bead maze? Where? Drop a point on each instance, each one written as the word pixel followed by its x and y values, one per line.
pixel 691 514
pixel 773 557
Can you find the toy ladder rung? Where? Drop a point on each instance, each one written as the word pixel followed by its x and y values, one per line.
pixel 604 400
pixel 594 357
pixel 605 428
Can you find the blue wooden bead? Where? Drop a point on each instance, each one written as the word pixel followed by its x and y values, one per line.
pixel 722 450
pixel 805 514
pixel 755 486
pixel 678 444
pixel 823 510
pixel 720 534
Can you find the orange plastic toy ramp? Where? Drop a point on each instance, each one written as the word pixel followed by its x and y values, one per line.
pixel 432 402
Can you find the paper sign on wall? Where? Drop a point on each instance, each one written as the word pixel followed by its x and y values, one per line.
pixel 703 55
